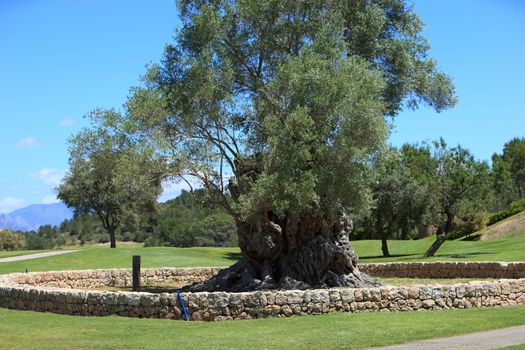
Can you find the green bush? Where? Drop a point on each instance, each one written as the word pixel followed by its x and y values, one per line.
pixel 10 240
pixel 512 209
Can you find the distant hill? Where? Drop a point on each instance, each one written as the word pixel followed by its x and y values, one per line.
pixel 509 227
pixel 34 216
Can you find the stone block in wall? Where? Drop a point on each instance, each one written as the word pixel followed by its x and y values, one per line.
pixel 320 296
pixel 218 299
pixel 347 295
pixel 295 297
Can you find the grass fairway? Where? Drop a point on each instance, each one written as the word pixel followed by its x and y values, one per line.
pixel 98 257
pixel 32 330
pixel 101 257
pixel 7 254
pixel 507 249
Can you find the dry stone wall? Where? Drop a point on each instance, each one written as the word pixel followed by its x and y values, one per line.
pixel 447 269
pixel 64 292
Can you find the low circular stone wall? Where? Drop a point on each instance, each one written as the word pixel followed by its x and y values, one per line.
pixel 65 292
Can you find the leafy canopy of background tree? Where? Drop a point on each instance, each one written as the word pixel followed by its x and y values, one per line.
pixel 455 178
pixel 422 186
pixel 188 221
pixel 511 166
pixel 10 240
pixel 401 202
pixel 109 175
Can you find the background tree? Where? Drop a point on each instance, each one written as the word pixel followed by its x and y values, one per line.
pixel 109 176
pixel 400 201
pixel 188 220
pixel 458 177
pixel 512 162
pixel 503 185
pixel 281 106
pixel 10 240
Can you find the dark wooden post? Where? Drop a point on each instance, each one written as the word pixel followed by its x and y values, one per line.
pixel 136 273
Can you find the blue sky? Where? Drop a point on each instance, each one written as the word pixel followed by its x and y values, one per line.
pixel 60 59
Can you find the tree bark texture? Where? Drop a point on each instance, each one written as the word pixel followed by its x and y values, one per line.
pixel 384 247
pixel 436 245
pixel 292 253
pixel 112 238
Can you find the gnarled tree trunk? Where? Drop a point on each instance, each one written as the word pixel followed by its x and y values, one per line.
pixel 292 253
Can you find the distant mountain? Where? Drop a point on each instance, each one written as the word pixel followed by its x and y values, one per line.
pixel 34 216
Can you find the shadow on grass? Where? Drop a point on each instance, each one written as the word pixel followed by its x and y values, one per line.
pixel 475 237
pixel 465 255
pixel 233 256
pixel 361 258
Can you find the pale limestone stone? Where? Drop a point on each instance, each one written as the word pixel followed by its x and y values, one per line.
pixel 347 295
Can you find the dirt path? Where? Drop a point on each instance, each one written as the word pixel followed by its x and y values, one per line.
pixel 493 339
pixel 35 256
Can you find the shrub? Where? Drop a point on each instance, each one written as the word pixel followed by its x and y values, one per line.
pixel 10 240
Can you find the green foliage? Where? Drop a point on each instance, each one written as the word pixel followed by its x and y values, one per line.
pixel 400 201
pixel 502 183
pixel 46 237
pixel 469 219
pixel 109 176
pixel 509 172
pixel 185 221
pixel 455 177
pixel 428 186
pixel 283 102
pixel 513 208
pixel 10 240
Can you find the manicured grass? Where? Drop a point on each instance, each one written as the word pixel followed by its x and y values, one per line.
pixel 508 249
pixel 33 330
pixel 516 347
pixel 402 281
pixel 7 254
pixel 97 257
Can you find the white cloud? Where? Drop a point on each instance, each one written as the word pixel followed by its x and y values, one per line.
pixel 50 199
pixel 49 176
pixel 28 143
pixel 64 123
pixel 9 204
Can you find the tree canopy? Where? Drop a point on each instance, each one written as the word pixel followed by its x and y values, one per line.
pixel 109 176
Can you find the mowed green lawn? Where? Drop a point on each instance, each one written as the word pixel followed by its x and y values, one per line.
pixel 98 257
pixel 7 254
pixel 101 257
pixel 32 330
pixel 507 249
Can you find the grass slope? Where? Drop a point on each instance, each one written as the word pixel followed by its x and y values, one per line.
pixel 32 330
pixel 509 227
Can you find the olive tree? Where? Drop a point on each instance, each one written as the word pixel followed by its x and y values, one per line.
pixel 278 109
pixel 109 176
